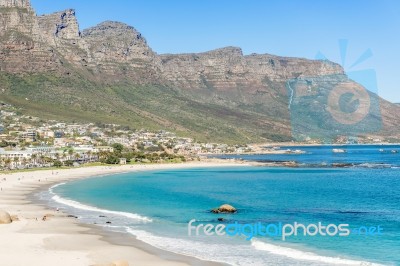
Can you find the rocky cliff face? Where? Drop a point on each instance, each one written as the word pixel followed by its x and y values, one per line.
pixel 119 49
pixel 61 31
pixel 59 26
pixel 116 49
pixel 15 3
pixel 227 67
pixel 227 75
pixel 108 49
pixel 21 46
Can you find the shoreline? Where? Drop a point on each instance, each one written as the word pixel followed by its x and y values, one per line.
pixel 65 240
pixel 296 144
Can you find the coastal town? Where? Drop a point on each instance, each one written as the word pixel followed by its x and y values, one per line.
pixel 30 142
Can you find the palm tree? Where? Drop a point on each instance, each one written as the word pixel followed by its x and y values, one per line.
pixel 42 158
pixel 70 152
pixel 48 160
pixel 95 155
pixel 2 163
pixel 89 154
pixel 34 157
pixel 29 162
pixel 103 154
pixel 8 162
pixel 77 156
pixel 24 162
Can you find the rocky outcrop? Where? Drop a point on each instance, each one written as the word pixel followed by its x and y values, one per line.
pixel 15 3
pixel 227 76
pixel 61 31
pixel 20 20
pixel 226 208
pixel 117 42
pixel 5 217
pixel 59 26
pixel 119 49
pixel 21 46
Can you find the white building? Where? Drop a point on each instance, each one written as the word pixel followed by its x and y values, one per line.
pixel 46 150
pixel 15 154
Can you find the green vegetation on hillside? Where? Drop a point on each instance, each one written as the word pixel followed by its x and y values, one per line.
pixel 75 98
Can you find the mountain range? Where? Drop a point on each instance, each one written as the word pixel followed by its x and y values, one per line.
pixel 109 74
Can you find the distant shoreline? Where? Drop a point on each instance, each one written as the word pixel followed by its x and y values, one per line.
pixel 297 145
pixel 288 144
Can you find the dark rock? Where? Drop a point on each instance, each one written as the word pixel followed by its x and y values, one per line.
pixel 342 165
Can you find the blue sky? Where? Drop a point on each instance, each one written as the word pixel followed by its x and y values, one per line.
pixel 286 27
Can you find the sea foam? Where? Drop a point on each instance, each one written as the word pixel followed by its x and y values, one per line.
pixel 306 256
pixel 81 206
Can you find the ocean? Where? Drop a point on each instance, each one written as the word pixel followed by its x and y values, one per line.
pixel 157 206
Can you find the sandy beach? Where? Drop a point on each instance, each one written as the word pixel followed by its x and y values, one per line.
pixel 62 240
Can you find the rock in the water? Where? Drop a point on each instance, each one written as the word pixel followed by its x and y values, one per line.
pixel 226 208
pixel 5 217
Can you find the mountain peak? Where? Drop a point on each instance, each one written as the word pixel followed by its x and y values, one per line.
pixel 119 32
pixel 15 3
pixel 230 50
pixel 62 24
pixel 114 24
pixel 110 27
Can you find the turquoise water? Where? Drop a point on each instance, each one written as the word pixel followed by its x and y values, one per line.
pixel 156 206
